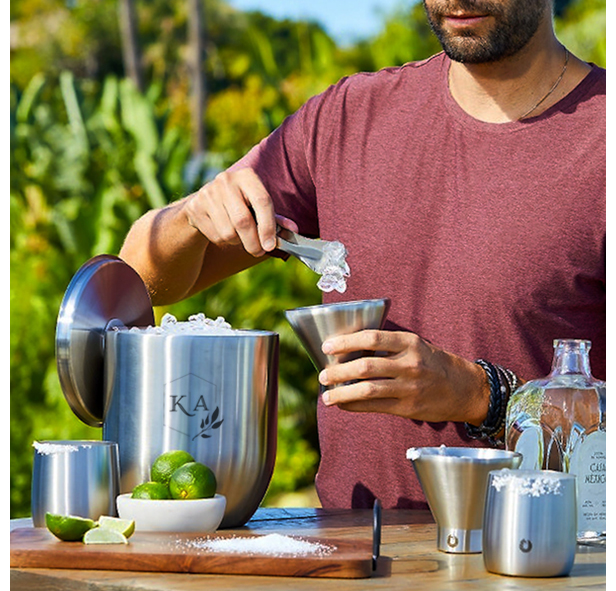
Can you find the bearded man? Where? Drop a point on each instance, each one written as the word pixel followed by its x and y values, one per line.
pixel 469 188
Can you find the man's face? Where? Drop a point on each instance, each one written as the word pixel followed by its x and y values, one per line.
pixel 480 31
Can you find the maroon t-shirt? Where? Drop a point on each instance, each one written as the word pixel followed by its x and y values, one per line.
pixel 488 238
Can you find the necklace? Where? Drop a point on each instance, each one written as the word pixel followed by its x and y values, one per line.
pixel 554 86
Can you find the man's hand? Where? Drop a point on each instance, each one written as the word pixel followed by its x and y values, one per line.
pixel 409 377
pixel 235 208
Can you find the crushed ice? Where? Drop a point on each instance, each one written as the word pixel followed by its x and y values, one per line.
pixel 196 324
pixel 333 268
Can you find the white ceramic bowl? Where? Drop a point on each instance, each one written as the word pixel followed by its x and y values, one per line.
pixel 173 515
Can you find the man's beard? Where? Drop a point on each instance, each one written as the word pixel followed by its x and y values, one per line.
pixel 513 27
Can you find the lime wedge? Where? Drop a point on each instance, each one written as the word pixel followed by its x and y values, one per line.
pixel 125 526
pixel 68 528
pixel 104 535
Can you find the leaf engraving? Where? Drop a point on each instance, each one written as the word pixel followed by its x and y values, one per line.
pixel 205 425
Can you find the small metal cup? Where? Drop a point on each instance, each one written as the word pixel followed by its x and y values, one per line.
pixel 454 480
pixel 529 526
pixel 74 478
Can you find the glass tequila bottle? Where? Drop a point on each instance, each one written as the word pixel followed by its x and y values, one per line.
pixel 558 423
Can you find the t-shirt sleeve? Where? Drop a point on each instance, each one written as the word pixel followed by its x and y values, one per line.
pixel 282 162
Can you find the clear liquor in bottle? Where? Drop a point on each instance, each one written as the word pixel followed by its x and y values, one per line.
pixel 558 423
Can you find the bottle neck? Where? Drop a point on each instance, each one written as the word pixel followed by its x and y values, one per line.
pixel 571 356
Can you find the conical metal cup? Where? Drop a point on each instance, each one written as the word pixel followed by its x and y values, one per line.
pixel 454 481
pixel 315 324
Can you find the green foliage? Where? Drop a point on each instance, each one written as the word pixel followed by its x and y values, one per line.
pixel 582 28
pixel 90 154
pixel 406 36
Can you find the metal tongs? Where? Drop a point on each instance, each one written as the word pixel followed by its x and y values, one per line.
pixel 308 250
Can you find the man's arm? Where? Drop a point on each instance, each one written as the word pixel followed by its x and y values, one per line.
pixel 225 227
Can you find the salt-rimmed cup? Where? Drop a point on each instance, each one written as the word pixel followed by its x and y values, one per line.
pixel 529 525
pixel 79 478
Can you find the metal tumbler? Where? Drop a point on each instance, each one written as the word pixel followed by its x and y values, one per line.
pixel 529 526
pixel 74 478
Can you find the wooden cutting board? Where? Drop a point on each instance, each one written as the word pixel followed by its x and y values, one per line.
pixel 170 552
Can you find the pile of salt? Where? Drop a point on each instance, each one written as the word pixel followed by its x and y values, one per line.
pixel 270 544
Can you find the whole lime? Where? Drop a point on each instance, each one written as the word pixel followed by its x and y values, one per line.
pixel 69 528
pixel 192 481
pixel 151 490
pixel 167 463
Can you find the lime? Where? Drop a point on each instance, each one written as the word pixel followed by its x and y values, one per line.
pixel 69 528
pixel 192 481
pixel 151 490
pixel 166 464
pixel 104 535
pixel 125 526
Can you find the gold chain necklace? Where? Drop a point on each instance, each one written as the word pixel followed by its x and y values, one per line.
pixel 554 86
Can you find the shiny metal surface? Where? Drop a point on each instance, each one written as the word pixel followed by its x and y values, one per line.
pixel 105 291
pixel 309 251
pixel 215 396
pixel 77 478
pixel 454 481
pixel 315 324
pixel 530 526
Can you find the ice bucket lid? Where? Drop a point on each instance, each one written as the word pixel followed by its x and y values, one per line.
pixel 104 292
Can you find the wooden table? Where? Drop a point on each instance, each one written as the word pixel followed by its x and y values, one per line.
pixel 409 561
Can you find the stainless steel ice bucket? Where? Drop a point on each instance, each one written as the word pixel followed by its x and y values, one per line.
pixel 213 395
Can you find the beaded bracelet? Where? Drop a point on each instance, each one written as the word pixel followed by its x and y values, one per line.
pixel 502 383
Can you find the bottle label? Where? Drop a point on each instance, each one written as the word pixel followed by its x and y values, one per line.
pixel 588 464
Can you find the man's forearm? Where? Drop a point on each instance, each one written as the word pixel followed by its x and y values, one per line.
pixel 167 252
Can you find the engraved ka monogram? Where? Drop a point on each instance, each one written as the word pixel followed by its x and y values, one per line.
pixel 191 407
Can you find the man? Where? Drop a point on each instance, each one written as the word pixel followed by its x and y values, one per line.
pixel 469 188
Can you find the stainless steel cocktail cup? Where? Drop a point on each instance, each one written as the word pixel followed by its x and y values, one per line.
pixel 529 526
pixel 74 478
pixel 454 481
pixel 315 324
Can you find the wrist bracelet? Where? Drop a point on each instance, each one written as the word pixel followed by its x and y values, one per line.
pixel 502 383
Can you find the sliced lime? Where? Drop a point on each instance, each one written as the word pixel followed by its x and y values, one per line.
pixel 68 528
pixel 125 526
pixel 104 535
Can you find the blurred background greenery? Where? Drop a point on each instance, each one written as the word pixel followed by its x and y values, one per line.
pixel 118 106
